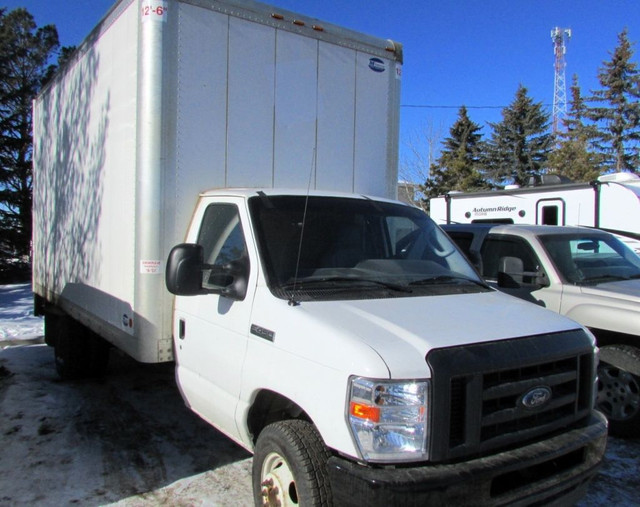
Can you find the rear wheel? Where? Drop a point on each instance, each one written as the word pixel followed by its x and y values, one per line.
pixel 79 353
pixel 290 466
pixel 51 329
pixel 619 395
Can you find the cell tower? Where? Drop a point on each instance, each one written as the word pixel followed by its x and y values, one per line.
pixel 559 36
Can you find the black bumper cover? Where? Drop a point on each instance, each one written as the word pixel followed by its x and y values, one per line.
pixel 555 471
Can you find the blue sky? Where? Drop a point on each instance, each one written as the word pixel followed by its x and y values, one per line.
pixel 456 52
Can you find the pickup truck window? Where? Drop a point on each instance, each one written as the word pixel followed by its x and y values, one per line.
pixel 496 247
pixel 464 240
pixel 591 258
pixel 345 248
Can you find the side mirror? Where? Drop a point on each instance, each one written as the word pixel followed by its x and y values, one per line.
pixel 183 275
pixel 187 275
pixel 511 274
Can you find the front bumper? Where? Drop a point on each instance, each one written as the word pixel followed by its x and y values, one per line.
pixel 555 471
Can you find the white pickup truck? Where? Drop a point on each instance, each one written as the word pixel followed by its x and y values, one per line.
pixel 583 273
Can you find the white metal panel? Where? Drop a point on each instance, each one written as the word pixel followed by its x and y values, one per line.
pixel 336 118
pixel 438 210
pixel 619 208
pixel 251 104
pixel 296 90
pixel 152 302
pixel 372 126
pixel 85 176
pixel 117 118
pixel 576 205
pixel 201 119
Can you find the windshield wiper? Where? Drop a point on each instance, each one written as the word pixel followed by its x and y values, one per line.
pixel 313 282
pixel 435 280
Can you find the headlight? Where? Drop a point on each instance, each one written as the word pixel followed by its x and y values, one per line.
pixel 389 419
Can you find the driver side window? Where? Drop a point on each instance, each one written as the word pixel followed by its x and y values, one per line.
pixel 221 237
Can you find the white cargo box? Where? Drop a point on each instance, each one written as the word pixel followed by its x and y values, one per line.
pixel 166 99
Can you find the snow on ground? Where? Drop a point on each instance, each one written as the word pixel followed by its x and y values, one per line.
pixel 128 440
pixel 17 323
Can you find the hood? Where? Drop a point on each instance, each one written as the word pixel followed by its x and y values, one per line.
pixel 401 331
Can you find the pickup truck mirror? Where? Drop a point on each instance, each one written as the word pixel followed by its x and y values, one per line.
pixel 511 274
pixel 186 271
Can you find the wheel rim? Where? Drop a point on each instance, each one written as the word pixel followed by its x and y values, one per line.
pixel 277 482
pixel 618 393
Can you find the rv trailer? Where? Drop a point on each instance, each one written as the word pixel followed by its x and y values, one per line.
pixel 612 203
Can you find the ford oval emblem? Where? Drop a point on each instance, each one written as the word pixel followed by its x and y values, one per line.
pixel 536 398
pixel 376 65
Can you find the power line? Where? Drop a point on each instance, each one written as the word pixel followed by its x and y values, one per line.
pixel 430 106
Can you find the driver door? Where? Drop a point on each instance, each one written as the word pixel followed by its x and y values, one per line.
pixel 210 331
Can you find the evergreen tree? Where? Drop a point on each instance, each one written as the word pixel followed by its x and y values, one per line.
pixel 520 143
pixel 25 52
pixel 576 158
pixel 617 108
pixel 458 167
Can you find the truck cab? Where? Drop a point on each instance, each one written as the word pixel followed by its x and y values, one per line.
pixel 322 333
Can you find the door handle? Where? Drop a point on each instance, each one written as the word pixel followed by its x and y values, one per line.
pixel 182 329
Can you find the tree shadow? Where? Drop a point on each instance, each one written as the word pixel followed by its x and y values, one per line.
pixel 71 124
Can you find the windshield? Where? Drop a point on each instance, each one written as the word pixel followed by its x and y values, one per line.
pixel 591 258
pixel 346 248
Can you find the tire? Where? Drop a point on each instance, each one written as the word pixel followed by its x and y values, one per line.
pixel 79 353
pixel 290 466
pixel 619 395
pixel 51 329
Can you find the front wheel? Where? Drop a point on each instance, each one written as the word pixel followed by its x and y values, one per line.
pixel 619 395
pixel 290 466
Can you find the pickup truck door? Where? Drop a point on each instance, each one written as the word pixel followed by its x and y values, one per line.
pixel 210 331
pixel 497 246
